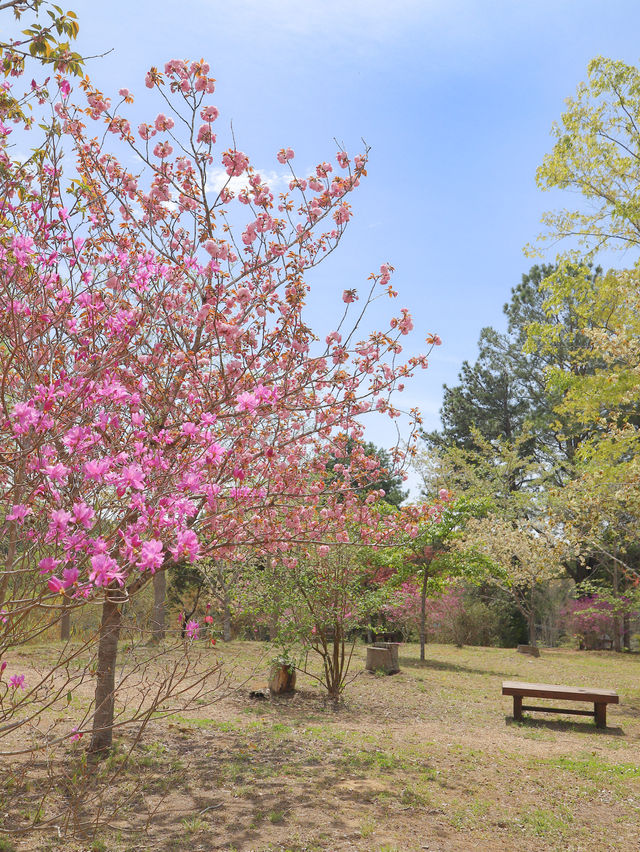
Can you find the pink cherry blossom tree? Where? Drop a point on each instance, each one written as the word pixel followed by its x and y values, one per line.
pixel 162 396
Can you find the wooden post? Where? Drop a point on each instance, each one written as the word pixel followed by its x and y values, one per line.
pixel 517 708
pixel 600 714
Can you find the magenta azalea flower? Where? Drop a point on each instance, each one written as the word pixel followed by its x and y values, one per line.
pixel 192 629
pixel 151 556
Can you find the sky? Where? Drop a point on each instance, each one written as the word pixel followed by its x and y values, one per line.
pixel 456 99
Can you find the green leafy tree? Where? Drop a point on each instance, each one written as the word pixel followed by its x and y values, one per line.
pixel 520 559
pixel 596 156
pixel 315 606
pixel 426 553
pixel 185 589
pixel 504 399
pixel 48 38
pixel 498 474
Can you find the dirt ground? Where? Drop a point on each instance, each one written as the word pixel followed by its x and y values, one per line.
pixel 428 759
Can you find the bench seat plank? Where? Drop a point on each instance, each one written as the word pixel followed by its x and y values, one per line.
pixel 569 693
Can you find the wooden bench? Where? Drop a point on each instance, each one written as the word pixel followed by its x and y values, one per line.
pixel 599 697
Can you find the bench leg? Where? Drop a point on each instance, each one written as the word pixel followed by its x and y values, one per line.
pixel 600 714
pixel 517 708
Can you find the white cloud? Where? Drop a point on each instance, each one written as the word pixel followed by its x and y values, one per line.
pixel 433 33
pixel 369 18
pixel 313 27
pixel 217 178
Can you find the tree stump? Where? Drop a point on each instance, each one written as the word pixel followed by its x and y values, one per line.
pixel 282 679
pixel 532 650
pixel 379 659
pixel 392 647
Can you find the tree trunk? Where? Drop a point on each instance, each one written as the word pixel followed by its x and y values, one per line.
pixel 102 734
pixel 157 616
pixel 65 621
pixel 423 613
pixel 617 645
pixel 533 641
pixel 336 664
pixel 282 679
pixel 626 631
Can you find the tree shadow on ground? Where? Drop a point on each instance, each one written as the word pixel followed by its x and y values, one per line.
pixel 246 784
pixel 303 703
pixel 412 663
pixel 564 726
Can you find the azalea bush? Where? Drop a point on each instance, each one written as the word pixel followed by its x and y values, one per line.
pixel 591 620
pixel 317 607
pixel 455 615
pixel 447 616
pixel 594 619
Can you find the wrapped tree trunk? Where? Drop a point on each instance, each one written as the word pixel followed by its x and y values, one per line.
pixel 617 626
pixel 533 640
pixel 626 631
pixel 423 613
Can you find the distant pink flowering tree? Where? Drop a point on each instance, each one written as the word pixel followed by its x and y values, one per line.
pixel 446 615
pixel 402 610
pixel 444 611
pixel 593 618
pixel 162 397
pixel 424 558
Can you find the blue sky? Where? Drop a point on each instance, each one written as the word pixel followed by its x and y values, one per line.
pixel 456 99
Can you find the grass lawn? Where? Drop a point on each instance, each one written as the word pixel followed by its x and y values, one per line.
pixel 428 759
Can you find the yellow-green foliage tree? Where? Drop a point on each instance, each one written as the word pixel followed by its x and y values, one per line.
pixel 520 559
pixel 597 156
pixel 493 473
pixel 602 503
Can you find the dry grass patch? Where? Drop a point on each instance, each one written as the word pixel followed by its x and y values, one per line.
pixel 426 759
